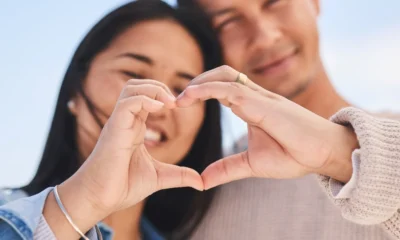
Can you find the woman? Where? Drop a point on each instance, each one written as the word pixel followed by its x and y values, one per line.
pixel 141 40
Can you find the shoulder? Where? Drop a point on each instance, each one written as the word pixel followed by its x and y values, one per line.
pixel 7 195
pixel 387 114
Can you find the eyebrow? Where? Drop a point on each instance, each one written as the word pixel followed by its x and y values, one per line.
pixel 138 57
pixel 220 12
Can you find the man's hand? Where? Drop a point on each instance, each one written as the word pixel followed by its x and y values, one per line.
pixel 285 139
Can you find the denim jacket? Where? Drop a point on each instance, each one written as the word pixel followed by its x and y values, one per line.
pixel 21 218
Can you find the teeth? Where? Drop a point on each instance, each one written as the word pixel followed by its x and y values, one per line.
pixel 152 135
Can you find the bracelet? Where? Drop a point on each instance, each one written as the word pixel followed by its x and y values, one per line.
pixel 66 214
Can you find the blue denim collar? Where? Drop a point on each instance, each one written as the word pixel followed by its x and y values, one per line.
pixel 148 231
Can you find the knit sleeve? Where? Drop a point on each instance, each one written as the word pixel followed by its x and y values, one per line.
pixel 376 196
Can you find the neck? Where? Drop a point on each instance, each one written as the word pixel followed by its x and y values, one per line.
pixel 320 96
pixel 126 223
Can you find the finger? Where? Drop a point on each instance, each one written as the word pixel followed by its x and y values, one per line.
pixel 219 74
pixel 150 81
pixel 126 109
pixel 152 91
pixel 172 176
pixel 226 170
pixel 230 93
pixel 225 74
pixel 245 103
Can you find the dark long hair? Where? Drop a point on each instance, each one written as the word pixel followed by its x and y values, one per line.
pixel 175 212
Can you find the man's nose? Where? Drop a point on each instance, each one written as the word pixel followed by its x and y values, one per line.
pixel 265 33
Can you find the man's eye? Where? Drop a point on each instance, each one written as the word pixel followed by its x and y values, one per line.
pixel 132 75
pixel 270 3
pixel 226 23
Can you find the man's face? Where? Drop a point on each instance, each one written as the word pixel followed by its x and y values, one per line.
pixel 274 42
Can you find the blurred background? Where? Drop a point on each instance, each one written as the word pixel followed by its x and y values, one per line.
pixel 359 40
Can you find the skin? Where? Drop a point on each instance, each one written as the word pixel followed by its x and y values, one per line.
pixel 275 41
pixel 285 140
pixel 276 44
pixel 289 130
pixel 283 30
pixel 174 61
pixel 124 156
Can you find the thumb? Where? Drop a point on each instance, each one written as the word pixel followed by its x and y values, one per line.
pixel 172 176
pixel 226 170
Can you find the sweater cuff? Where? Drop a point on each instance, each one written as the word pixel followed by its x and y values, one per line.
pixel 340 190
pixel 43 231
pixel 376 196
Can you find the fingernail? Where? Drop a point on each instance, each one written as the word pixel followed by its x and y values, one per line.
pixel 172 98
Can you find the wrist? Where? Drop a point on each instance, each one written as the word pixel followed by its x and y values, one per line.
pixel 82 212
pixel 77 201
pixel 339 163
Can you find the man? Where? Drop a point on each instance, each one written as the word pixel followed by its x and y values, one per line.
pixel 275 43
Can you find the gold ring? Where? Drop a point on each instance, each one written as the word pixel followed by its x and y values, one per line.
pixel 241 78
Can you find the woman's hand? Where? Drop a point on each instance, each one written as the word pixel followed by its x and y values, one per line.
pixel 285 140
pixel 120 172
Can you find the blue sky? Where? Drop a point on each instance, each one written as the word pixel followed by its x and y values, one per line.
pixel 360 47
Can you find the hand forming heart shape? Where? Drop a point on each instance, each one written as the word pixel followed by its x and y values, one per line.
pixel 284 141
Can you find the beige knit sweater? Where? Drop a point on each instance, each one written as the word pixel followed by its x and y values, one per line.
pixel 297 209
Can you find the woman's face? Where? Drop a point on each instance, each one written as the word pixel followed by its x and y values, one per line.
pixel 156 49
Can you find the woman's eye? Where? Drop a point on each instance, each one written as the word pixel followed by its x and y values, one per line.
pixel 133 75
pixel 177 90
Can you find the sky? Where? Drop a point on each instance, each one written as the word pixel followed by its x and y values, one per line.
pixel 359 46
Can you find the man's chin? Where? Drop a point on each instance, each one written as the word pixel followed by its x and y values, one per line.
pixel 288 90
pixel 297 92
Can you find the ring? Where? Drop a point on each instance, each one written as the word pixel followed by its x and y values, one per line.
pixel 241 78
